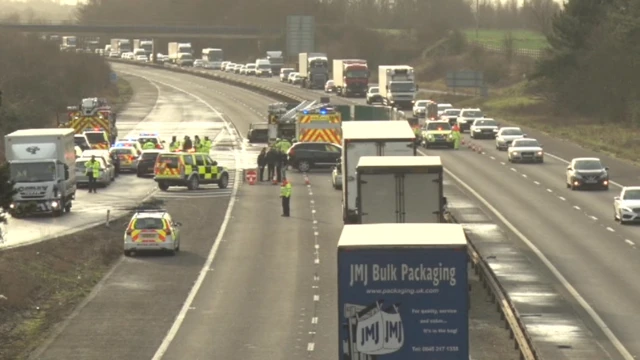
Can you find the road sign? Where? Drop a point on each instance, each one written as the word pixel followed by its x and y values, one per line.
pixel 251 176
pixel 300 34
pixel 465 79
pixel 113 77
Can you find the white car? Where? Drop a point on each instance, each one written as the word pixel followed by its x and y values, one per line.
pixel 104 155
pixel 525 150
pixel 142 58
pixel 450 115
pixel 114 54
pixel 443 107
pixel 250 69
pixel 296 79
pixel 336 176
pixel 587 173
pixel 82 179
pixel 467 117
pixel 150 230
pixel 224 64
pixel 506 135
pixel 284 74
pixel 230 67
pixel 626 206
pixel 198 63
pixel 420 108
pixel 484 128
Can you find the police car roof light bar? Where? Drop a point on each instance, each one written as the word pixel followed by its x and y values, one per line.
pixel 150 210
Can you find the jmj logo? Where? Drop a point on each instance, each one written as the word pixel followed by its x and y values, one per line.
pixel 33 150
pixel 380 331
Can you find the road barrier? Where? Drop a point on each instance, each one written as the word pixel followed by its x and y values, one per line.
pixel 504 305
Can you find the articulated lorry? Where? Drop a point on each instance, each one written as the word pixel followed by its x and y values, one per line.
pixel 314 67
pixel 121 46
pixel 369 138
pixel 403 292
pixel 276 59
pixel 42 164
pixel 397 86
pixel 400 189
pixel 69 43
pixel 180 53
pixel 351 77
pixel 144 44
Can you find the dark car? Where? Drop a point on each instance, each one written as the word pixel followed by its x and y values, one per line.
pixel 258 133
pixel 146 162
pixel 312 155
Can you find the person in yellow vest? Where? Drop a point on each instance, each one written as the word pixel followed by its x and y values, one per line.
pixel 148 145
pixel 92 170
pixel 417 131
pixel 174 145
pixel 207 144
pixel 285 195
pixel 197 143
pixel 455 132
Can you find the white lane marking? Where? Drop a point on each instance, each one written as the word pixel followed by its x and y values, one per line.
pixel 311 346
pixel 561 198
pixel 549 190
pixel 514 170
pixel 316 297
pixel 536 182
pixel 593 217
pixel 492 158
pixel 173 331
pixel 501 163
pixel 610 229
pixel 569 162
pixel 314 320
pixel 629 242
pixel 585 305
pixel 524 175
pixel 576 207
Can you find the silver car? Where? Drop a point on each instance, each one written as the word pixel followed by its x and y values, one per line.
pixel 626 206
pixel 525 150
pixel 484 128
pixel 506 135
pixel 128 158
pixel 81 173
pixel 336 176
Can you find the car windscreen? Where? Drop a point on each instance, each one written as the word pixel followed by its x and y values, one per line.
pixel 438 126
pixel 512 132
pixel 472 114
pixel 122 151
pixel 143 140
pixel 420 104
pixel 631 195
pixel 485 123
pixel 96 138
pixel 150 156
pixel 452 112
pixel 588 165
pixel 526 143
pixel 374 90
pixel 149 224
pixel 33 171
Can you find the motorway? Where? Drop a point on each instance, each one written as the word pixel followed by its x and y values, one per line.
pixel 155 107
pixel 574 230
pixel 263 286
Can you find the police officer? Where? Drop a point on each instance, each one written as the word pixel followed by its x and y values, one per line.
pixel 207 144
pixel 148 145
pixel 92 170
pixel 175 144
pixel 285 195
pixel 273 157
pixel 116 162
pixel 456 136
pixel 262 162
pixel 187 145
pixel 197 144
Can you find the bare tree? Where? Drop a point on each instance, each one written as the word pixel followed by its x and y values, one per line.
pixel 540 13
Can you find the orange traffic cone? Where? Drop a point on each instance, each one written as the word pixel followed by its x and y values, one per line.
pixel 306 180
pixel 274 181
pixel 462 141
pixel 479 149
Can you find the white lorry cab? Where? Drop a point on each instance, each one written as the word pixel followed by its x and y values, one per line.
pixel 42 164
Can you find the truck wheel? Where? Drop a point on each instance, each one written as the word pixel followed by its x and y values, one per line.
pixel 163 186
pixel 67 208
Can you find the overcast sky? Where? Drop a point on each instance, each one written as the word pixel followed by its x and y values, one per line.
pixel 73 2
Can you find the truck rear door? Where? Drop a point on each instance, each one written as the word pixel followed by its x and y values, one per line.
pixel 350 158
pixel 377 199
pixel 422 198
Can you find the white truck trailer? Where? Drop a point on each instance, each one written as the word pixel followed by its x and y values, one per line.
pixel 42 164
pixel 400 189
pixel 369 138
pixel 180 53
pixel 351 77
pixel 397 86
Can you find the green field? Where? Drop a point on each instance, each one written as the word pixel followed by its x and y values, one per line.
pixel 523 39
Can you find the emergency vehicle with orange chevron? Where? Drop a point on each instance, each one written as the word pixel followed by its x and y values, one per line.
pixel 152 229
pixel 310 121
pixel 94 118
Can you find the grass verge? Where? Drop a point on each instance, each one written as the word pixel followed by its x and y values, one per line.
pixel 120 94
pixel 513 106
pixel 41 284
pixel 522 39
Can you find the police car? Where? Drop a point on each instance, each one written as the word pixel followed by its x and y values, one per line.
pixel 129 143
pixel 143 138
pixel 128 157
pixel 188 169
pixel 150 230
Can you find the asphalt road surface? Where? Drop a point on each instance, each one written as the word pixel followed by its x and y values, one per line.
pixel 575 230
pixel 268 292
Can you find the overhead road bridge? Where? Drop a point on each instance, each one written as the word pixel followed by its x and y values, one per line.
pixel 182 31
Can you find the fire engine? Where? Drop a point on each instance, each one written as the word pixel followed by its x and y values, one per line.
pixel 310 121
pixel 92 115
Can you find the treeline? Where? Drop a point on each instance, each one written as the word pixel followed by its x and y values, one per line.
pixel 535 15
pixel 38 81
pixel 592 66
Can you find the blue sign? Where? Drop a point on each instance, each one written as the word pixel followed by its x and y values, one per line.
pixel 113 77
pixel 403 304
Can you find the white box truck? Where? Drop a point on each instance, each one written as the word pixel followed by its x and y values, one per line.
pixel 397 86
pixel 369 138
pixel 402 288
pixel 400 189
pixel 314 67
pixel 42 164
pixel 180 53
pixel 351 77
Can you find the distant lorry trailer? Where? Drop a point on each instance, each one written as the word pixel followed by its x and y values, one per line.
pixel 42 164
pixel 314 68
pixel 369 138
pixel 400 189
pixel 397 86
pixel 276 59
pixel 351 77
pixel 180 53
